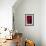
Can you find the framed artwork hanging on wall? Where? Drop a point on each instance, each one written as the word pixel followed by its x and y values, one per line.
pixel 29 19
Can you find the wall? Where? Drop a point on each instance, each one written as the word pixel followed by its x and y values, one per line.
pixel 29 7
pixel 6 16
pixel 43 22
pixel 6 13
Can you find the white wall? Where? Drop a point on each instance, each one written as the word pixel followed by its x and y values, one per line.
pixel 43 22
pixel 29 7
pixel 6 13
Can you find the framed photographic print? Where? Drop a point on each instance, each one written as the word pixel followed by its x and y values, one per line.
pixel 29 19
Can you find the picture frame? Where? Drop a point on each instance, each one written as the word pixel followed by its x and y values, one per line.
pixel 29 19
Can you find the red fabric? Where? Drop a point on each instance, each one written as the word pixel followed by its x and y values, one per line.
pixel 29 19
